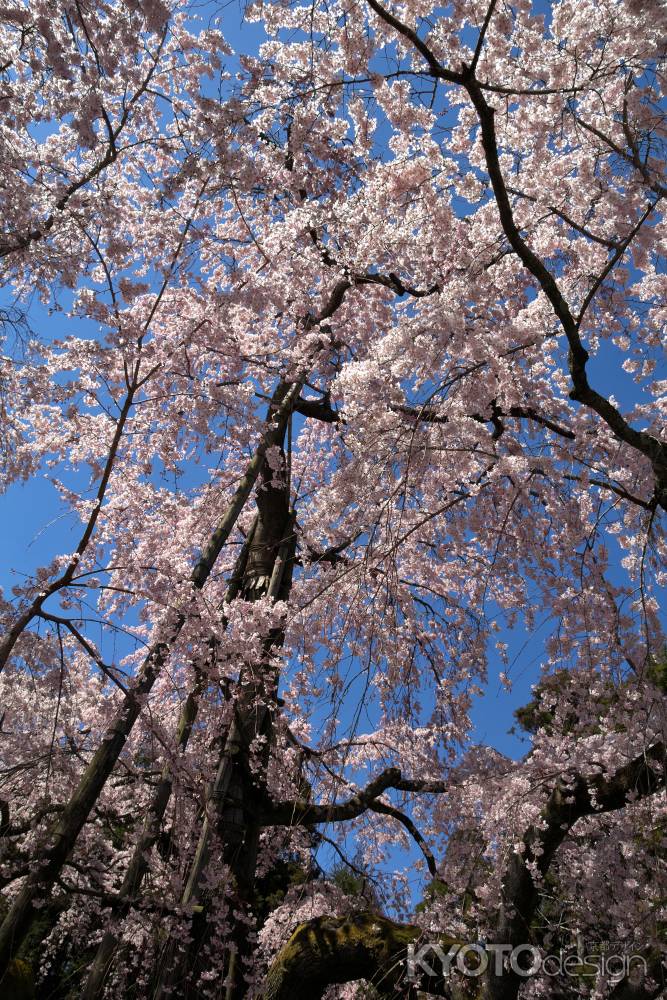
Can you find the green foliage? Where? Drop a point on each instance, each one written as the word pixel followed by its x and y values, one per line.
pixel 272 887
pixel 562 686
pixel 436 889
pixel 657 671
pixel 354 883
pixel 539 712
pixel 18 982
pixel 348 881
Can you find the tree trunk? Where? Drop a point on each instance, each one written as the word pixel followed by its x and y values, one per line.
pixel 331 950
pixel 138 864
pixel 229 814
pixel 63 837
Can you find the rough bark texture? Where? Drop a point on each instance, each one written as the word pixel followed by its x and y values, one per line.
pixel 331 950
pixel 64 835
pixel 151 829
pixel 231 816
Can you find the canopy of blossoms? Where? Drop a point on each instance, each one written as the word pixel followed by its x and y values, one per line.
pixel 343 358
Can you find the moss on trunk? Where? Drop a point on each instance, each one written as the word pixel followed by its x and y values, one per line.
pixel 331 950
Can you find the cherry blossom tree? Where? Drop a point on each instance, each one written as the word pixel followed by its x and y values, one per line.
pixel 356 376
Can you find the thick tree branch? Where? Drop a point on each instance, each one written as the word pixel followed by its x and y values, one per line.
pixel 435 68
pixel 337 950
pixel 573 797
pixel 404 820
pixel 482 35
pixel 138 865
pixel 331 950
pixel 649 446
pixel 301 812
pixel 318 409
pixel 393 282
pixel 65 834
pixel 582 392
pixel 431 416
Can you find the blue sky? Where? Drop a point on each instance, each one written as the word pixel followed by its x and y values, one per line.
pixel 36 528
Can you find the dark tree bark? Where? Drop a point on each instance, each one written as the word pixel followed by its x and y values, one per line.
pixel 332 950
pixel 232 817
pixel 64 835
